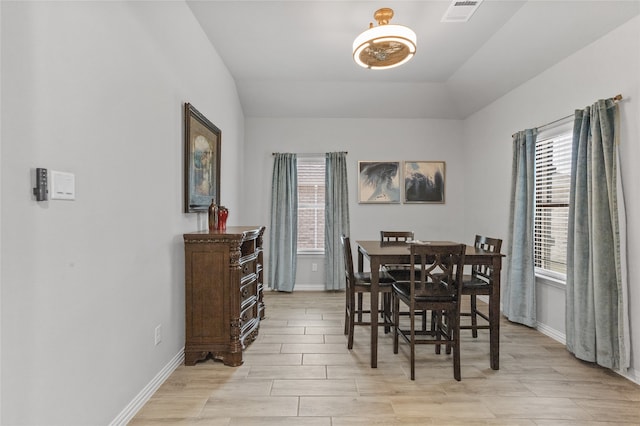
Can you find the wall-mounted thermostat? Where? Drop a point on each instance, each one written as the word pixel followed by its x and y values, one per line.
pixel 41 190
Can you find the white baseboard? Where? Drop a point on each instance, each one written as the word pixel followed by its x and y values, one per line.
pixel 307 287
pixel 551 332
pixel 145 394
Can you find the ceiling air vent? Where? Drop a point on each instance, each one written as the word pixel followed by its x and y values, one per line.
pixel 460 11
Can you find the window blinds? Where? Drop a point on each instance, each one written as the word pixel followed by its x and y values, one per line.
pixel 553 180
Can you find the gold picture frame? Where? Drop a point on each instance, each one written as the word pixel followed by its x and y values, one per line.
pixel 379 182
pixel 424 182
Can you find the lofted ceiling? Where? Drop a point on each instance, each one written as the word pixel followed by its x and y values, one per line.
pixel 293 58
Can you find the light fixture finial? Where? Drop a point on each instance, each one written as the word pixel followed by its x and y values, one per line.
pixel 383 16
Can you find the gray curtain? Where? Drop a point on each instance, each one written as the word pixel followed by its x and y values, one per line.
pixel 336 218
pixel 596 305
pixel 519 294
pixel 283 233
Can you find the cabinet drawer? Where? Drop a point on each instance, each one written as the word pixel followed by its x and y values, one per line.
pixel 248 267
pixel 248 292
pixel 248 316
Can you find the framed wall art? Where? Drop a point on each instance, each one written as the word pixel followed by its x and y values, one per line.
pixel 378 181
pixel 202 140
pixel 424 181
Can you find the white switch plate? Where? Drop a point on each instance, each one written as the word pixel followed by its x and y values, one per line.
pixel 62 185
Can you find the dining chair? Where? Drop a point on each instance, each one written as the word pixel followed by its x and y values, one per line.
pixel 358 283
pixel 437 288
pixel 399 272
pixel 402 236
pixel 479 284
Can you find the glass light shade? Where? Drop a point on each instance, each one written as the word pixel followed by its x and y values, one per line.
pixel 384 46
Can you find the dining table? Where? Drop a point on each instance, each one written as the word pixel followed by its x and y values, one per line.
pixel 394 253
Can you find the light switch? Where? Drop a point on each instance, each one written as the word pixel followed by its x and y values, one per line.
pixel 62 185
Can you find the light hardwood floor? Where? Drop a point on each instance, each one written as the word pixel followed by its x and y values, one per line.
pixel 299 372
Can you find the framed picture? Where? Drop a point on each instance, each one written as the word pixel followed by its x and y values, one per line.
pixel 424 181
pixel 378 181
pixel 201 161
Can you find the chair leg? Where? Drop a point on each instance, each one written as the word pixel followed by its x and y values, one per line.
pixel 359 307
pixel 352 314
pixel 413 357
pixel 455 332
pixel 386 312
pixel 449 324
pixel 347 310
pixel 474 317
pixel 436 327
pixel 396 321
pixel 351 331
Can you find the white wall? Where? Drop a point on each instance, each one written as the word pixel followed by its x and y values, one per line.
pixel 96 89
pixel 603 69
pixel 365 140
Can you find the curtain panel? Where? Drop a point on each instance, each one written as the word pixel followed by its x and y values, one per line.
pixel 519 293
pixel 283 232
pixel 336 218
pixel 597 319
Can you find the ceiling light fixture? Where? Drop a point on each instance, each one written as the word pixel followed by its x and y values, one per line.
pixel 384 46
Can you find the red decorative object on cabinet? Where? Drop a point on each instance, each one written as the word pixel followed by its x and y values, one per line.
pixel 223 213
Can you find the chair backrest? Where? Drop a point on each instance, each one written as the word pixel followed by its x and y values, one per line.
pixel 386 236
pixel 348 259
pixel 438 264
pixel 492 245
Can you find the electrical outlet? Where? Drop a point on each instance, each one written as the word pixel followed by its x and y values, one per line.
pixel 314 267
pixel 158 334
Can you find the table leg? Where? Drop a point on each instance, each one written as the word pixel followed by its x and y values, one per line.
pixel 494 314
pixel 375 290
pixel 360 269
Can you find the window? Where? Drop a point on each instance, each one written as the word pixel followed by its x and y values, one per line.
pixel 311 170
pixel 553 179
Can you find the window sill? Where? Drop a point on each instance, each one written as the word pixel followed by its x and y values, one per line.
pixel 551 281
pixel 310 253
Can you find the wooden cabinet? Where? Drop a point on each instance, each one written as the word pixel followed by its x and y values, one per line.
pixel 223 292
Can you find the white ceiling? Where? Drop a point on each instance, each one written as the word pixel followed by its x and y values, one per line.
pixel 293 58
